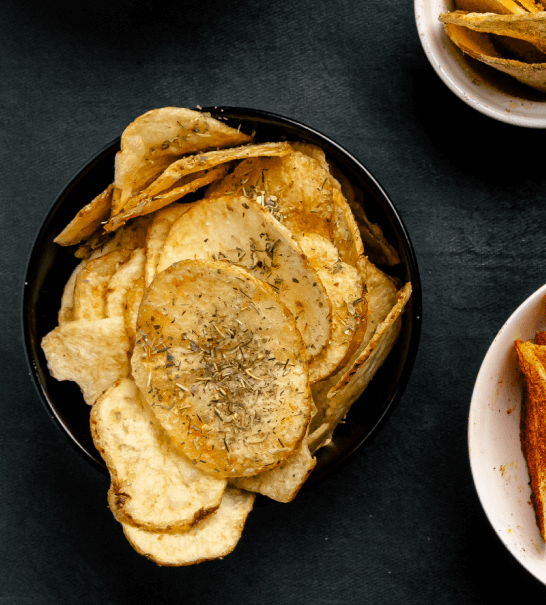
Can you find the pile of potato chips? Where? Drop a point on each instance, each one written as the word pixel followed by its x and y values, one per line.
pixel 508 35
pixel 219 341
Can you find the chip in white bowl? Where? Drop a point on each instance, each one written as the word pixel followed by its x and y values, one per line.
pixel 496 459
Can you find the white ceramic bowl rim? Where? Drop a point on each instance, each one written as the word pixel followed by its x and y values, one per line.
pixel 498 466
pixel 449 63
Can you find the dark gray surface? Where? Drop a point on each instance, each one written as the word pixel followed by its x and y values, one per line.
pixel 402 523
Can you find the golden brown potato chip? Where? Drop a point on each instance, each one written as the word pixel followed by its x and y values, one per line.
pixel 154 140
pixel 66 311
pixel 88 219
pixel 146 205
pixel 478 46
pixel 214 537
pixel 157 234
pixel 125 291
pixel 500 7
pixel 530 26
pixel 154 486
pixel 221 362
pixel 343 285
pixel 531 358
pixel 237 230
pixel 295 189
pixel 92 284
pixel 130 236
pixel 92 353
pixel 283 482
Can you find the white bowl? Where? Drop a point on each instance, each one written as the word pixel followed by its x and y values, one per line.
pixel 480 86
pixel 497 462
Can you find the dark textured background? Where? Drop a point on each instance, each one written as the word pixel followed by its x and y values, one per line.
pixel 401 523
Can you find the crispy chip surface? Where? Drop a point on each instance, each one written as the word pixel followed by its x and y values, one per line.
pixel 154 486
pixel 215 536
pixel 343 285
pixel 155 139
pixel 239 231
pixel 221 362
pixel 284 482
pixel 295 189
pixel 92 353
pixel 88 219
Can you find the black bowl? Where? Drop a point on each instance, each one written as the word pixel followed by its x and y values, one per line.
pixel 50 265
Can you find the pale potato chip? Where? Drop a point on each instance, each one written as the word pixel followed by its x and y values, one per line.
pixel 382 293
pixel 359 374
pixel 66 311
pixel 343 285
pixel 205 161
pixel 295 189
pixel 145 205
pixel 92 284
pixel 214 537
pixel 530 26
pixel 283 482
pixel 154 140
pixel 154 486
pixel 130 236
pixel 92 353
pixel 221 363
pixel 88 219
pixel 239 231
pixel 157 234
pixel 125 291
pixel 478 46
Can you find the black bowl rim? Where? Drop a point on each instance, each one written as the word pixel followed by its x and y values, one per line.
pixel 276 120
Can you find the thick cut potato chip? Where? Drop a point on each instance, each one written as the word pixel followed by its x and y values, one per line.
pixel 284 482
pixel 91 353
pixel 382 292
pixel 129 237
pixel 154 486
pixel 343 285
pixel 214 537
pixel 146 205
pixel 154 140
pixel 531 360
pixel 221 362
pixel 205 161
pixel 530 26
pixel 66 311
pixel 478 46
pixel 157 234
pixel 295 189
pixel 92 284
pixel 88 219
pixel 125 291
pixel 237 230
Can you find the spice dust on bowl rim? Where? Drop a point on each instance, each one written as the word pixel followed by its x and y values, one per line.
pixel 50 265
pixel 498 466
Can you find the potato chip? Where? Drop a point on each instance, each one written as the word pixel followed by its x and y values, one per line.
pixel 154 486
pixel 92 283
pixel 530 26
pixel 125 291
pixel 146 205
pixel 66 311
pixel 92 353
pixel 295 189
pixel 214 537
pixel 221 362
pixel 283 482
pixel 478 46
pixel 500 7
pixel 88 219
pixel 237 230
pixel 155 139
pixel 343 285
pixel 129 237
pixel 157 234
